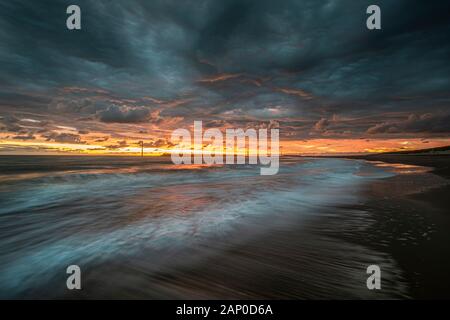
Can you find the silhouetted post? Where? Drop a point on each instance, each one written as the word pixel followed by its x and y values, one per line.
pixel 142 148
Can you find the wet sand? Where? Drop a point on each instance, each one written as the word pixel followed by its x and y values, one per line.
pixel 415 218
pixel 440 164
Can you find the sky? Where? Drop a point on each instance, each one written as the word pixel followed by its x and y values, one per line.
pixel 137 70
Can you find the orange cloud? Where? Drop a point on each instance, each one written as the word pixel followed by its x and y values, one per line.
pixel 296 92
pixel 220 77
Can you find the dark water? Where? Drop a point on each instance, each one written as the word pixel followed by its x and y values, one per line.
pixel 145 228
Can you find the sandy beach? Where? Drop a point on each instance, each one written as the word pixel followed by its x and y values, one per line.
pixel 416 205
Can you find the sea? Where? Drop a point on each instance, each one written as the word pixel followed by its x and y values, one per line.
pixel 144 228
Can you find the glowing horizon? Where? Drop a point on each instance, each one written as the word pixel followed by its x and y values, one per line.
pixel 298 147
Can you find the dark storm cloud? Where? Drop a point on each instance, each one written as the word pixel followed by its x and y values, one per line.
pixel 250 60
pixel 27 137
pixel 159 143
pixel 120 144
pixel 124 114
pixel 63 137
pixel 322 124
pixel 10 123
pixel 435 123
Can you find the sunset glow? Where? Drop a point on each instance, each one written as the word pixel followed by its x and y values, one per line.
pixel 292 147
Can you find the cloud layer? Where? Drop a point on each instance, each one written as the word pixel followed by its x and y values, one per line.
pixel 311 66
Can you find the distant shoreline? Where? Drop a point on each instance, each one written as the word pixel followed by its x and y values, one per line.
pixel 439 162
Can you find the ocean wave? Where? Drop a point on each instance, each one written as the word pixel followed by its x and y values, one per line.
pixel 83 217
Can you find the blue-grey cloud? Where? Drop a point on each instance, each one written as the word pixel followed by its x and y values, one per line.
pixel 124 114
pixel 295 62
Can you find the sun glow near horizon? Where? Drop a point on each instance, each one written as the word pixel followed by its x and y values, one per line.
pixel 300 147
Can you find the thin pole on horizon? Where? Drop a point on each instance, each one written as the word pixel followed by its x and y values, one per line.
pixel 142 148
